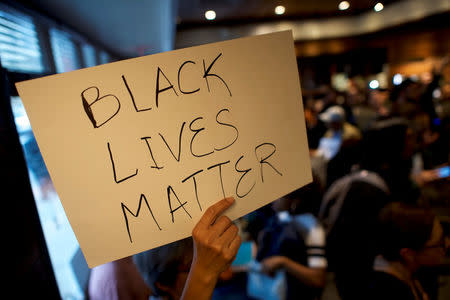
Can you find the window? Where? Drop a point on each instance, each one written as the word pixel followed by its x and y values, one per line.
pixel 104 58
pixel 64 51
pixel 89 57
pixel 19 43
pixel 69 266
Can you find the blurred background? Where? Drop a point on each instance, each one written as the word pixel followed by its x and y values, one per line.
pixel 373 59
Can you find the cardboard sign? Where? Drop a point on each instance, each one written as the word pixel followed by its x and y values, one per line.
pixel 138 149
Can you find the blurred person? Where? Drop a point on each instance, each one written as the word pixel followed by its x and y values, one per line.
pixel 315 128
pixel 379 102
pixel 350 207
pixel 426 102
pixel 387 150
pixel 295 242
pixel 339 143
pixel 165 269
pixel 355 95
pixel 412 96
pixel 188 269
pixel 335 120
pixel 257 220
pixel 432 149
pixel 117 280
pixel 405 98
pixel 410 238
pixel 331 98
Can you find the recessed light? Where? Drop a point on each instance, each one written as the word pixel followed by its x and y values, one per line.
pixel 210 15
pixel 343 5
pixel 374 84
pixel 279 10
pixel 378 7
pixel 397 79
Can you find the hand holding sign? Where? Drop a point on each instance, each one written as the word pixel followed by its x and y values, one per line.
pixel 216 239
pixel 216 242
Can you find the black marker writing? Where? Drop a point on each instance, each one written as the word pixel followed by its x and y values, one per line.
pixel 155 166
pixel 169 192
pixel 229 125
pixel 206 74
pixel 114 167
pixel 263 160
pixel 177 157
pixel 179 81
pixel 159 91
pixel 132 97
pixel 197 131
pixel 88 106
pixel 220 174
pixel 125 208
pixel 245 171
pixel 195 186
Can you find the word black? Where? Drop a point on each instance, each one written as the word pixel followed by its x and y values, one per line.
pixel 101 109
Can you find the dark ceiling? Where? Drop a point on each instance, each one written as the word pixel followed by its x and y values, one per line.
pixel 191 12
pixel 130 28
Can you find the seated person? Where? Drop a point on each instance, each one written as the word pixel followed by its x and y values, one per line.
pixel 177 270
pixel 410 238
pixel 340 132
pixel 295 242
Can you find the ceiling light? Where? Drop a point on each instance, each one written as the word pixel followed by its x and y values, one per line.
pixel 210 15
pixel 374 84
pixel 344 5
pixel 279 10
pixel 397 79
pixel 378 7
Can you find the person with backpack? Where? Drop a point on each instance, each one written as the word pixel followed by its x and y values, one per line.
pixel 294 241
pixel 350 207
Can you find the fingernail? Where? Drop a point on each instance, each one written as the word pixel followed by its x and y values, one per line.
pixel 230 199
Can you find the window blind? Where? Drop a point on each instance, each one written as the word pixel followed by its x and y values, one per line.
pixel 19 42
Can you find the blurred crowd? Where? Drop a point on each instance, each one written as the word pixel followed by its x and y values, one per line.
pixel 380 199
pixel 374 222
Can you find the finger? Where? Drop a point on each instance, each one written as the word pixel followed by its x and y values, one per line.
pixel 211 214
pixel 220 226
pixel 235 244
pixel 228 236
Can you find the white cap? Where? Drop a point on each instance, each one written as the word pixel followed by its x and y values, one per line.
pixel 333 114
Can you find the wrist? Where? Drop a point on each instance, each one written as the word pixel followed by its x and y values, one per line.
pixel 200 283
pixel 203 274
pixel 284 262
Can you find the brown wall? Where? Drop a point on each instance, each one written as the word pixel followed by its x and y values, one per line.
pixel 409 49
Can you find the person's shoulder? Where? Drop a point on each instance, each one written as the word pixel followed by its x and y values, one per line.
pixel 385 286
pixel 306 220
pixel 370 184
pixel 307 223
pixel 352 130
pixel 312 231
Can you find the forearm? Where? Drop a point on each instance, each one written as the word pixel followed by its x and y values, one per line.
pixel 199 285
pixel 314 277
pixel 216 243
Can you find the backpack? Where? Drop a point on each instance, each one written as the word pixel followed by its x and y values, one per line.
pixel 333 199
